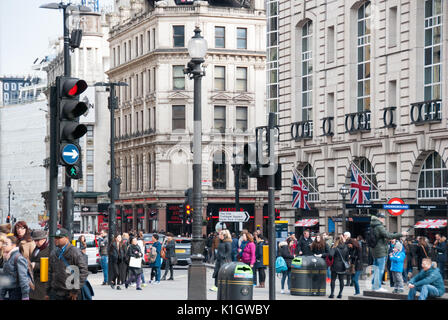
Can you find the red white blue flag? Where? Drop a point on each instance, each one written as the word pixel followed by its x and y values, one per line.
pixel 299 193
pixel 359 188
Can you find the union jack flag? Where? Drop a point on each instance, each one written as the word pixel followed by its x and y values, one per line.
pixel 359 188
pixel 299 193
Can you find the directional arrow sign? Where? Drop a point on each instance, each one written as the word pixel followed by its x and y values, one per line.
pixel 70 154
pixel 233 216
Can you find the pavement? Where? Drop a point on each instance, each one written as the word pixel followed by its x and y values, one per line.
pixel 177 289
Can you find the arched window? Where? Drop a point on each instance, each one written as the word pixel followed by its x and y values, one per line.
pixel 307 71
pixel 363 46
pixel 368 174
pixel 219 170
pixel 433 178
pixel 433 50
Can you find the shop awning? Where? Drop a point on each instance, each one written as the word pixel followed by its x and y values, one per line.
pixel 306 222
pixel 431 224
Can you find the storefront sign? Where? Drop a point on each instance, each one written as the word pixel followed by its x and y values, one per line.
pixel 396 206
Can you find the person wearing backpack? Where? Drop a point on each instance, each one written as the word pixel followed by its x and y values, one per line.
pixel 377 240
pixel 285 253
pixel 155 258
pixel 16 268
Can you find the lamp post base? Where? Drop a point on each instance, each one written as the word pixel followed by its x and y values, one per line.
pixel 197 279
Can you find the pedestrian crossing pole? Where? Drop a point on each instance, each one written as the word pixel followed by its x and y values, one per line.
pixel 271 205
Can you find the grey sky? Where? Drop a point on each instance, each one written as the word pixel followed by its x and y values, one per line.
pixel 25 31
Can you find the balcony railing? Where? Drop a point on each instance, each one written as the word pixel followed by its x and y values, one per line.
pixel 327 126
pixel 302 130
pixel 426 112
pixel 313 197
pixel 430 193
pixel 388 117
pixel 357 122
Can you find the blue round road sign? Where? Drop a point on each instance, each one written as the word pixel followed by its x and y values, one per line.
pixel 70 154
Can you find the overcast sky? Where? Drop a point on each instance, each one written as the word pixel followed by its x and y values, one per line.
pixel 25 31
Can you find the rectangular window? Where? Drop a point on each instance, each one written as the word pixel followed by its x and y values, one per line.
pixel 241 119
pixel 178 121
pixel 114 57
pixel 331 44
pixel 149 80
pixel 393 93
pixel 393 26
pixel 153 38
pixel 136 121
pixel 148 34
pixel 90 184
pixel 136 85
pixel 241 79
pixel 330 106
pixel 220 78
pixel 393 172
pixel 178 36
pixel 178 78
pixel 241 38
pixel 220 37
pixel 330 177
pixel 130 50
pixel 89 157
pixel 125 52
pixel 141 44
pixel 154 87
pixel 136 46
pixel 220 118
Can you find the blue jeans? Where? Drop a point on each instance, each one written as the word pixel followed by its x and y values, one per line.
pixel 328 273
pixel 356 281
pixel 426 291
pixel 286 274
pixel 104 265
pixel 157 272
pixel 378 268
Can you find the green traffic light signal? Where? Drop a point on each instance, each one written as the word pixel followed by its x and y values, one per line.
pixel 73 172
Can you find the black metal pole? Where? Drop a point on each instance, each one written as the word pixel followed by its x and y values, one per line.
pixel 271 207
pixel 54 146
pixel 344 222
pixel 237 173
pixel 113 187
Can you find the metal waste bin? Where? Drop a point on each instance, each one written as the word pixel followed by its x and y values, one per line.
pixel 235 282
pixel 308 276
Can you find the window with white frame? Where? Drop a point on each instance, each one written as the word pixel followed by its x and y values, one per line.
pixel 364 50
pixel 272 56
pixel 178 78
pixel 307 70
pixel 241 79
pixel 433 178
pixel 220 78
pixel 241 119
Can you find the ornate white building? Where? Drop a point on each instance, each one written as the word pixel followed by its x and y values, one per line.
pixel 362 82
pixel 154 123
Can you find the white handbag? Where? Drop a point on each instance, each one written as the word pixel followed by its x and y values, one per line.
pixel 135 262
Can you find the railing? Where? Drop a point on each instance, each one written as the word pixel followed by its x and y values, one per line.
pixel 327 126
pixel 432 112
pixel 302 130
pixel 388 117
pixel 430 193
pixel 357 122
pixel 313 197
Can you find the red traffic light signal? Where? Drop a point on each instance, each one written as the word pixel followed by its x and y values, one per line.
pixel 73 87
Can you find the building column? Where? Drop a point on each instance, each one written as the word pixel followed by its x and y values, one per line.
pixel 161 217
pixel 134 217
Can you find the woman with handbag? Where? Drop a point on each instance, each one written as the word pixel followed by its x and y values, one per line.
pixel 355 257
pixel 223 254
pixel 170 255
pixel 339 252
pixel 134 255
pixel 116 257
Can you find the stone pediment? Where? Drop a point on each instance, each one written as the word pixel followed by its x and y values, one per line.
pixel 178 96
pixel 243 97
pixel 221 96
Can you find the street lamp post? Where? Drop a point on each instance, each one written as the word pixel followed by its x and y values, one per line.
pixel 197 49
pixel 344 192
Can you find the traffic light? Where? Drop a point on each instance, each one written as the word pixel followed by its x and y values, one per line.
pixel 250 166
pixel 116 182
pixel 8 218
pixel 70 130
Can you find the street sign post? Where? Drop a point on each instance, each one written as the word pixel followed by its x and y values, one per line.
pixel 233 216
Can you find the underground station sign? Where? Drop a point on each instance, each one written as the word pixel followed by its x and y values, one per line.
pixel 396 206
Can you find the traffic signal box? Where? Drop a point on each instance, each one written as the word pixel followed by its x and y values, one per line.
pixel 117 182
pixel 188 209
pixel 70 130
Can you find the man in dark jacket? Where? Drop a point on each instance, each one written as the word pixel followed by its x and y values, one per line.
pixel 428 282
pixel 170 255
pixel 304 245
pixel 103 245
pixel 42 250
pixel 379 252
pixel 440 249
pixel 67 270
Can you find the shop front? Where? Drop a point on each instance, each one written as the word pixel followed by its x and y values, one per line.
pixel 306 220
pixel 430 221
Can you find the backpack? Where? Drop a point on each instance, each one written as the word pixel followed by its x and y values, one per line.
pixel 371 238
pixel 280 265
pixel 152 255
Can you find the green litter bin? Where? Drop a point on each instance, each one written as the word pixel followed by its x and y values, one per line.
pixel 235 282
pixel 308 276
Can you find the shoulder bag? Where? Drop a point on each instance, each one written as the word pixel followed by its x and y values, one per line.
pixel 346 264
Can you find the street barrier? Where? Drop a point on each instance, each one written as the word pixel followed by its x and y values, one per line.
pixel 308 276
pixel 235 282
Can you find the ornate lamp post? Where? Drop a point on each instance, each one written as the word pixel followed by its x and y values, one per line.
pixel 343 191
pixel 197 49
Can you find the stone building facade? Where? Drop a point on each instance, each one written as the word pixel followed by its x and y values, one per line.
pixel 362 82
pixel 154 122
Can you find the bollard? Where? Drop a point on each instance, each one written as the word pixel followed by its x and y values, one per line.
pixel 43 269
pixel 266 255
pixel 74 243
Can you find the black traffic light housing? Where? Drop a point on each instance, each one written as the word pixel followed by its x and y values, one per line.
pixel 8 218
pixel 117 182
pixel 75 38
pixel 250 166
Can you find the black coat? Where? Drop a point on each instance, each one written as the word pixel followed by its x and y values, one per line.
pixel 284 252
pixel 356 257
pixel 338 264
pixel 134 251
pixel 323 252
pixel 259 255
pixel 304 245
pixel 224 255
pixel 170 249
pixel 40 290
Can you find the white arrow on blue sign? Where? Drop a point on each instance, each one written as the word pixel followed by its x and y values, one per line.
pixel 70 154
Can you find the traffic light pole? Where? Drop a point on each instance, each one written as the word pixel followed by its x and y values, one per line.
pixel 54 147
pixel 113 187
pixel 271 209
